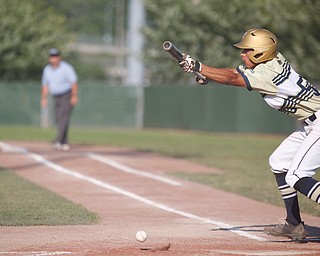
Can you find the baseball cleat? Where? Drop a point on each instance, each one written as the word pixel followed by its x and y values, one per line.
pixel 65 147
pixel 286 229
pixel 56 146
pixel 62 147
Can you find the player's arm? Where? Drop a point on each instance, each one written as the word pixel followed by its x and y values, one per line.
pixel 44 95
pixel 229 76
pixel 74 94
pixel 73 79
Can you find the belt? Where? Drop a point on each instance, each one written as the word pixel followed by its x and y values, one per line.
pixel 62 94
pixel 310 119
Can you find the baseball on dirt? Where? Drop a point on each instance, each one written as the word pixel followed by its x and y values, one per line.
pixel 141 236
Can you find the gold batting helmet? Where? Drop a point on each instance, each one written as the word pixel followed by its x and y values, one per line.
pixel 262 42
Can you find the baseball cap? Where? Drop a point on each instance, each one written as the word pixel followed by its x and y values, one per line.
pixel 54 52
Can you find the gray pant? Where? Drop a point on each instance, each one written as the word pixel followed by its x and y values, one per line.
pixel 63 110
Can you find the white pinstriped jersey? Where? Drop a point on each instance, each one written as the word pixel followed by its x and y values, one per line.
pixel 282 87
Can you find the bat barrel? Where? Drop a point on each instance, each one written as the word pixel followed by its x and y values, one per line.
pixel 172 50
pixel 167 45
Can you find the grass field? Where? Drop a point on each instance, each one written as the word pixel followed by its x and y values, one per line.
pixel 26 204
pixel 242 157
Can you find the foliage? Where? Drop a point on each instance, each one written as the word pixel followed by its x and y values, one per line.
pixel 92 22
pixel 91 18
pixel 28 30
pixel 207 29
pixel 86 68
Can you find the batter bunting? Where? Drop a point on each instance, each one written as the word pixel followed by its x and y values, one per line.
pixel 297 159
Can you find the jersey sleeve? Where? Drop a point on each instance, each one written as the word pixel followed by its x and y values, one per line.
pixel 72 75
pixel 258 79
pixel 44 79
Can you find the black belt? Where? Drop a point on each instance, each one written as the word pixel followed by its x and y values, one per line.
pixel 310 119
pixel 62 94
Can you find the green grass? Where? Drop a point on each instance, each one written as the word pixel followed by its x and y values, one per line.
pixel 26 204
pixel 242 157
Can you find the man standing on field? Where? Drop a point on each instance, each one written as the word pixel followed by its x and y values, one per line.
pixel 296 160
pixel 60 80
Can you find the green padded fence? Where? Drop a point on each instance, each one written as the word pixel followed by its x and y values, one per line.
pixel 207 108
pixel 19 103
pixel 99 105
pixel 105 106
pixel 212 108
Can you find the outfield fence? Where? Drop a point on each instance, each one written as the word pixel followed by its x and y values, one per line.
pixel 208 108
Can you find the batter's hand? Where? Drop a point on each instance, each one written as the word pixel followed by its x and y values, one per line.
pixel 190 65
pixel 201 80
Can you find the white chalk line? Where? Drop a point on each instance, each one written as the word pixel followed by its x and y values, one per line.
pixel 6 148
pixel 136 197
pixel 127 169
pixel 40 253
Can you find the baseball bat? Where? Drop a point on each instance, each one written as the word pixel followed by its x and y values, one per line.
pixel 174 52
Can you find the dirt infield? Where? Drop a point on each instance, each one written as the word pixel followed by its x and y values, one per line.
pixel 132 191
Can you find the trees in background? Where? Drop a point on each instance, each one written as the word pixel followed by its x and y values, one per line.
pixel 207 29
pixel 27 32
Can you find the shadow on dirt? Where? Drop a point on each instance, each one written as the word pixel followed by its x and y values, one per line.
pixel 313 232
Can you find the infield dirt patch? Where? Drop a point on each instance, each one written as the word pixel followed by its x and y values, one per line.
pixel 194 219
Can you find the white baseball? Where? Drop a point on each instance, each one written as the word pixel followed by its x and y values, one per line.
pixel 141 236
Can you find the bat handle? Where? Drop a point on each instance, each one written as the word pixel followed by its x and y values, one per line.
pixel 201 79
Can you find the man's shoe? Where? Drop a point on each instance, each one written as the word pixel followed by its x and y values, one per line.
pixel 286 229
pixel 56 145
pixel 62 147
pixel 65 147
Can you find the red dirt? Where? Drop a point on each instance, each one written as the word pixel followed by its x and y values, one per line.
pixel 122 216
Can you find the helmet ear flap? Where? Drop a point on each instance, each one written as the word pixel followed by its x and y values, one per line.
pixel 257 56
pixel 254 57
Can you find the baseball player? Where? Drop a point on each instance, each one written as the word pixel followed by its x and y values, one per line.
pixel 296 160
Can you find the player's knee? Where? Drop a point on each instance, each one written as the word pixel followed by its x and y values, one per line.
pixel 273 163
pixel 291 179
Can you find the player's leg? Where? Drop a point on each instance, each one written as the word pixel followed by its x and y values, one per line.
pixel 290 199
pixel 63 113
pixel 280 161
pixel 305 163
pixel 56 102
pixel 64 118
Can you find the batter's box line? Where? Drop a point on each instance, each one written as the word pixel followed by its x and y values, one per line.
pixel 136 197
pixel 127 169
pixel 37 253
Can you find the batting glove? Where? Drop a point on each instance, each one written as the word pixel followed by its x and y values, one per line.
pixel 190 65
